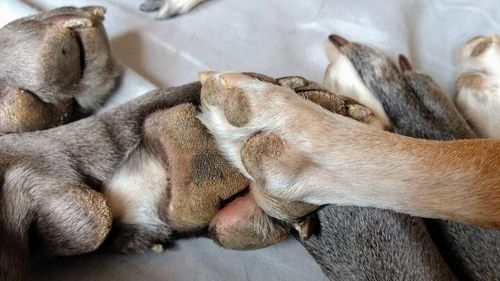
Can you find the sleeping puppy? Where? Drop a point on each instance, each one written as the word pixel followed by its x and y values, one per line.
pixel 169 8
pixel 478 86
pixel 54 67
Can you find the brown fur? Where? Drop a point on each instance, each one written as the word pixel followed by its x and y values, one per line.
pixel 481 47
pixel 199 178
pixel 471 81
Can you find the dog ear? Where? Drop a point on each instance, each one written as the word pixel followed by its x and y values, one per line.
pixel 23 111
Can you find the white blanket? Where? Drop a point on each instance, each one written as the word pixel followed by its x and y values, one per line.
pixel 275 37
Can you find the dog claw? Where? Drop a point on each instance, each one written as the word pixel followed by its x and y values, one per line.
pixel 158 248
pixel 307 226
pixel 96 11
pixel 404 63
pixel 338 40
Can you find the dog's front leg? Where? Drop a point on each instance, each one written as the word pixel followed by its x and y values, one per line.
pixel 297 151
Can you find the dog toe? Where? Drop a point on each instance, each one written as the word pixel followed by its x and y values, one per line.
pixel 256 149
pixel 229 94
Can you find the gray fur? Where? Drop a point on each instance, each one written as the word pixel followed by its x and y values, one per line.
pixel 55 64
pixel 383 77
pixel 443 110
pixel 371 244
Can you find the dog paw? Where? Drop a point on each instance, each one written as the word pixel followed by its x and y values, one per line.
pixel 478 94
pixel 274 137
pixel 169 8
pixel 64 72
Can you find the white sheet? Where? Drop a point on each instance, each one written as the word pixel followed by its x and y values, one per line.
pixel 272 37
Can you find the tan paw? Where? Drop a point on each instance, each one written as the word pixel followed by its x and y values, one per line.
pixel 478 94
pixel 274 137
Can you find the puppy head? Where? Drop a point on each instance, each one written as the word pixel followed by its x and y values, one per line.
pixel 481 53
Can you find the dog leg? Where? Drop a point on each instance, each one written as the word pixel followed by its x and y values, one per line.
pixel 435 100
pixel 72 219
pixel 16 214
pixel 312 166
pixel 48 179
pixel 151 5
pixel 478 94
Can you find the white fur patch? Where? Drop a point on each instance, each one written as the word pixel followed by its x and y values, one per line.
pixel 136 189
pixel 342 78
pixel 480 102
